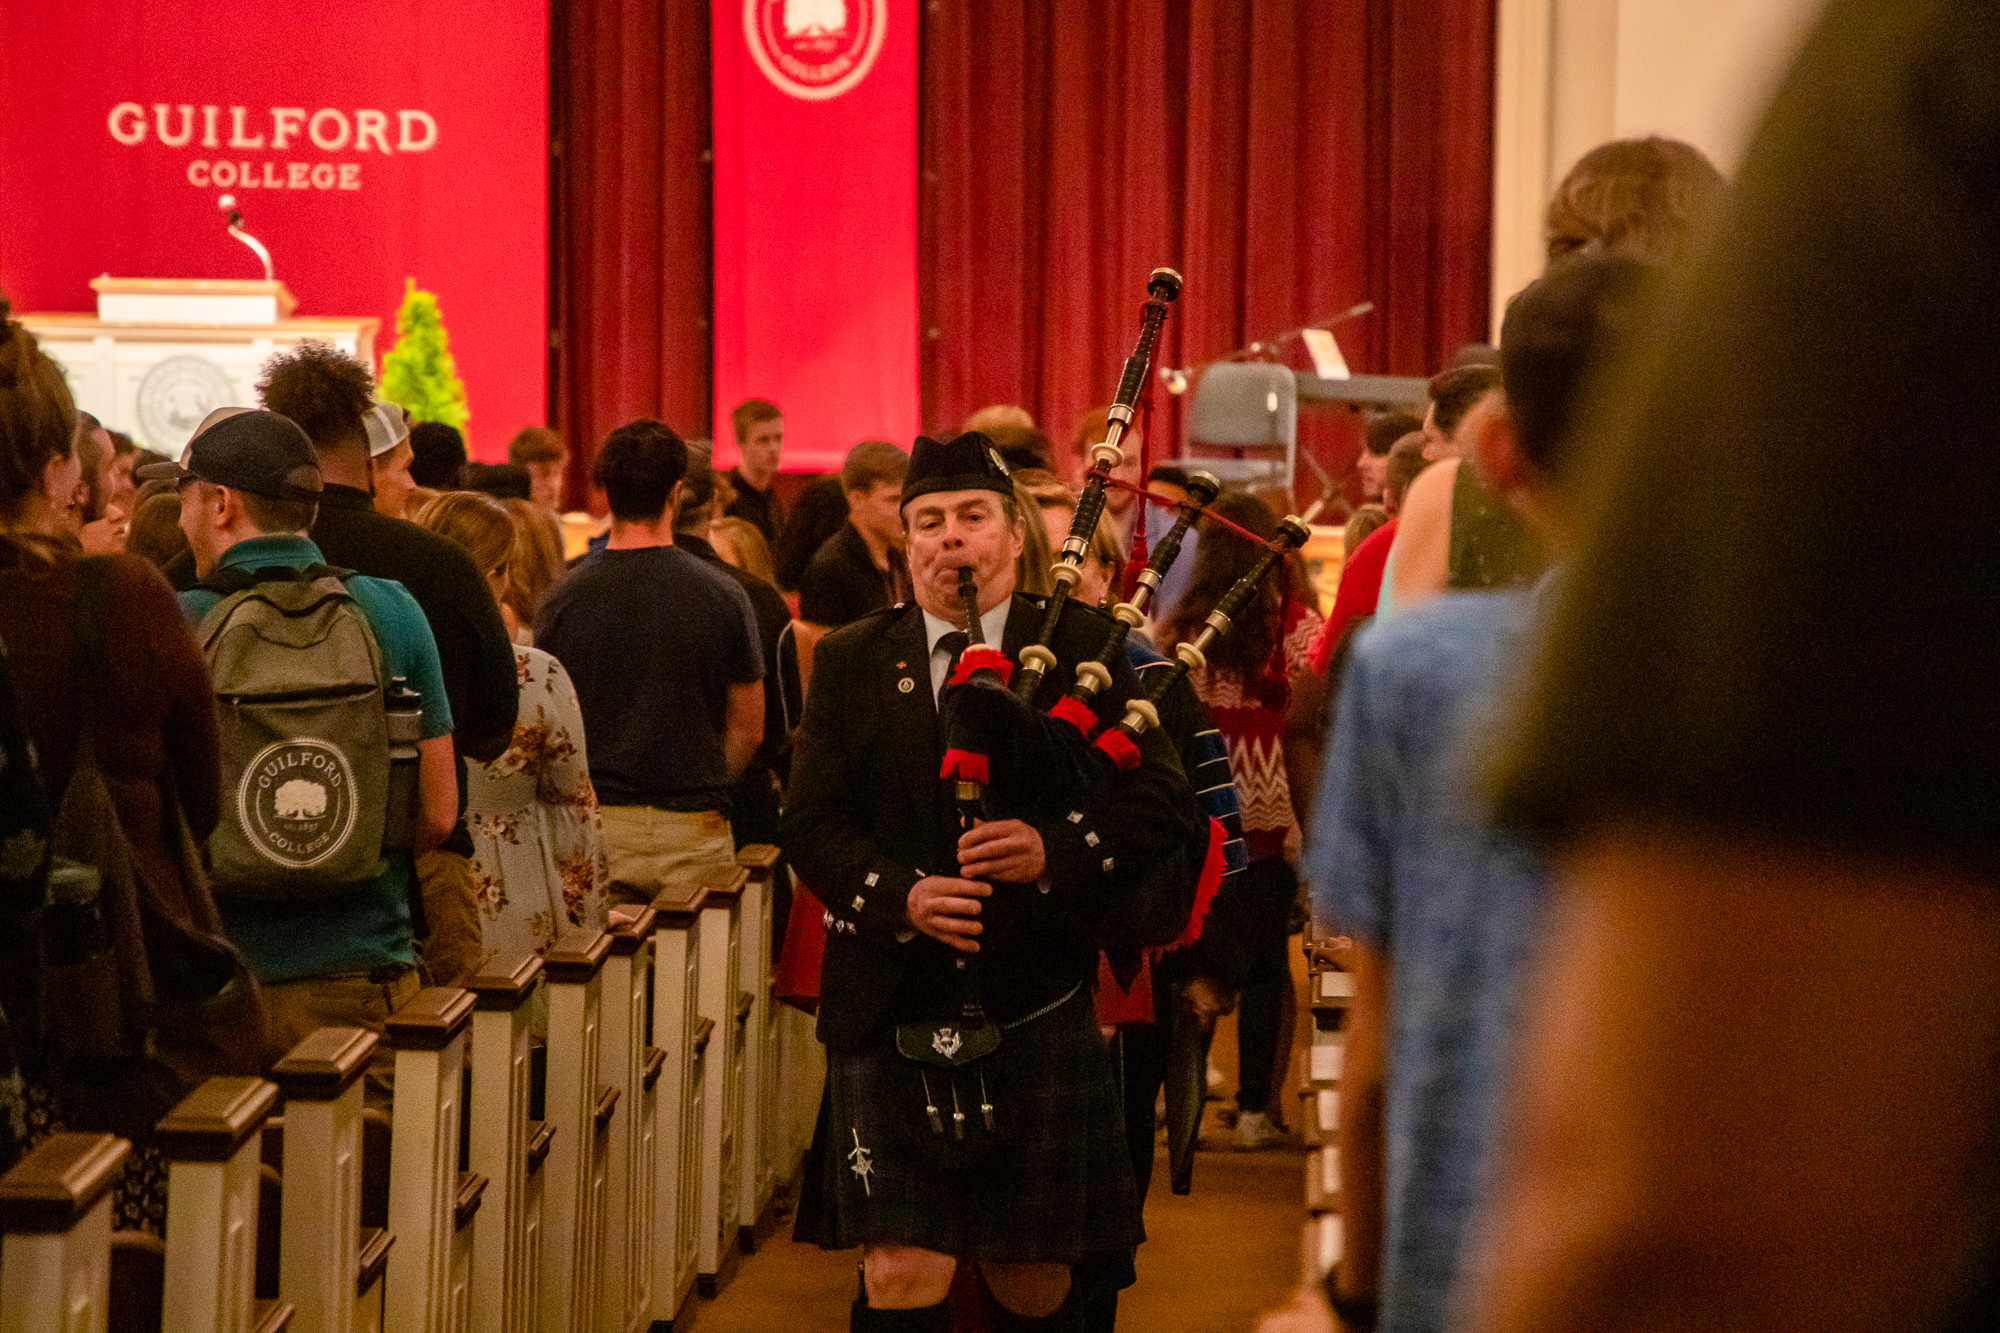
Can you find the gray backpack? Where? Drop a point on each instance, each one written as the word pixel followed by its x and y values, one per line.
pixel 305 739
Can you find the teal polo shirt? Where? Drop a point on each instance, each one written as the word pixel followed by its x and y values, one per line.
pixel 370 926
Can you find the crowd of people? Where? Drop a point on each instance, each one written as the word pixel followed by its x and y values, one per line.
pixel 1637 768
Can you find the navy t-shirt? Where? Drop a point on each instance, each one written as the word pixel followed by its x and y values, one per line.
pixel 652 640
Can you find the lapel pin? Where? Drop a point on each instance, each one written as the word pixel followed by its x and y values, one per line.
pixel 906 685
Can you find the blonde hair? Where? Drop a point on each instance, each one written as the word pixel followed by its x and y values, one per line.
pixel 538 557
pixel 753 553
pixel 999 414
pixel 1031 568
pixel 477 524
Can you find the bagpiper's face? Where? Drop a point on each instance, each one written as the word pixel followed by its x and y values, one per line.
pixel 949 529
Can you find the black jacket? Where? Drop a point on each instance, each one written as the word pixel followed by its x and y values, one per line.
pixel 867 816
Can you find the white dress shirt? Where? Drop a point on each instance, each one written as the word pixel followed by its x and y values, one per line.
pixel 992 624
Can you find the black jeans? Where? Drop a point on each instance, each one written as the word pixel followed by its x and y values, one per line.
pixel 1268 888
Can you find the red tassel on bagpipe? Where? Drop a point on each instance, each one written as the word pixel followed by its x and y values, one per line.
pixel 1076 712
pixel 1213 867
pixel 963 766
pixel 982 657
pixel 1124 751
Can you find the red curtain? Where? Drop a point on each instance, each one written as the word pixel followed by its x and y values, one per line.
pixel 1290 157
pixel 631 259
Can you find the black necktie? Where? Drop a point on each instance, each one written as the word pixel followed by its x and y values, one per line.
pixel 954 642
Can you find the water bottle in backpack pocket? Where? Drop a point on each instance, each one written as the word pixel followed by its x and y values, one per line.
pixel 305 739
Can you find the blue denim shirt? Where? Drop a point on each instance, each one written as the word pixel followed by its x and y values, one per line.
pixel 1405 858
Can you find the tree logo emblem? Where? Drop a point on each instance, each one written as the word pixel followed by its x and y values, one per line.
pixel 815 49
pixel 296 802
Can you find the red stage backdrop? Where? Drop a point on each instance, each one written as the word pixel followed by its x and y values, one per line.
pixel 364 143
pixel 815 105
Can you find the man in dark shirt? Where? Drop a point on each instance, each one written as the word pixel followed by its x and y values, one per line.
pixel 327 392
pixel 860 568
pixel 760 443
pixel 754 800
pixel 662 648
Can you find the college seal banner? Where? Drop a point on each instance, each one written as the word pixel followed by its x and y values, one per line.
pixel 816 221
pixel 365 143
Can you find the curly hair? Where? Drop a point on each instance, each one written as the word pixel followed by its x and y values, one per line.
pixel 1653 198
pixel 323 389
pixel 37 414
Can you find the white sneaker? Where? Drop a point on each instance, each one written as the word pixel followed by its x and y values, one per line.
pixel 1255 1130
pixel 1215 1079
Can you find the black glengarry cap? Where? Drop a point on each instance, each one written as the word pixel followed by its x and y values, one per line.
pixel 968 462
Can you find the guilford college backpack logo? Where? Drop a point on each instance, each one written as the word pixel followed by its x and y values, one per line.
pixel 297 802
pixel 815 49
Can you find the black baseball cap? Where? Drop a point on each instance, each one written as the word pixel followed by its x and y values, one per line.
pixel 259 452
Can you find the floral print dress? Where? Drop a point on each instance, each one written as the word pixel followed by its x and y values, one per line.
pixel 537 846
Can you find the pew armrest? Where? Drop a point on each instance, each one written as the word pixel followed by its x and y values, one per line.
pixel 471 1188
pixel 745 1002
pixel 51 1188
pixel 270 1317
pixel 540 1135
pixel 656 1061
pixel 375 1243
pixel 607 1102
pixel 702 1032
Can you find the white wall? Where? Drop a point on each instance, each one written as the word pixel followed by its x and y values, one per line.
pixel 1574 73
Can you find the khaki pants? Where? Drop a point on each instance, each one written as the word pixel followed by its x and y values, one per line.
pixel 455 948
pixel 644 846
pixel 297 1009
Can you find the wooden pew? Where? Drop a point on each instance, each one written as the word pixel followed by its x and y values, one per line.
pixel 503 1294
pixel 677 1160
pixel 721 1003
pixel 214 1173
pixel 320 1241
pixel 429 1268
pixel 573 1202
pixel 1330 991
pixel 55 1260
pixel 625 1054
pixel 757 1135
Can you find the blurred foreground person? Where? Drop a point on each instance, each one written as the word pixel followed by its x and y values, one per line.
pixel 1443 906
pixel 1757 1090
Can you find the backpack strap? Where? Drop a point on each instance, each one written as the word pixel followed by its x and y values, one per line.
pixel 24 809
pixel 229 579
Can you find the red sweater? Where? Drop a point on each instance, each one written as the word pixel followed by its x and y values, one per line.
pixel 1360 588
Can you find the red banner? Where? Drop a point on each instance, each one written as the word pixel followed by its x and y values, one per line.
pixel 364 143
pixel 816 221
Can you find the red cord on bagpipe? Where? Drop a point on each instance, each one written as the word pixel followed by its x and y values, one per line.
pixel 1138 529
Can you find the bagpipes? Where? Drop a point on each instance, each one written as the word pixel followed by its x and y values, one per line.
pixel 1009 757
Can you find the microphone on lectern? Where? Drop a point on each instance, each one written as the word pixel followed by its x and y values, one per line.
pixel 228 201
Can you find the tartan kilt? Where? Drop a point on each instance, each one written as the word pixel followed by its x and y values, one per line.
pixel 1054 1185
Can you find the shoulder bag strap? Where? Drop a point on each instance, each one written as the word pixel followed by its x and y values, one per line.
pixel 93 580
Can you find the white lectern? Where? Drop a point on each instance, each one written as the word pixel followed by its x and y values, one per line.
pixel 160 353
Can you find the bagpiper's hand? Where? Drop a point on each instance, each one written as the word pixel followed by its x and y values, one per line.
pixel 948 909
pixel 1006 850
